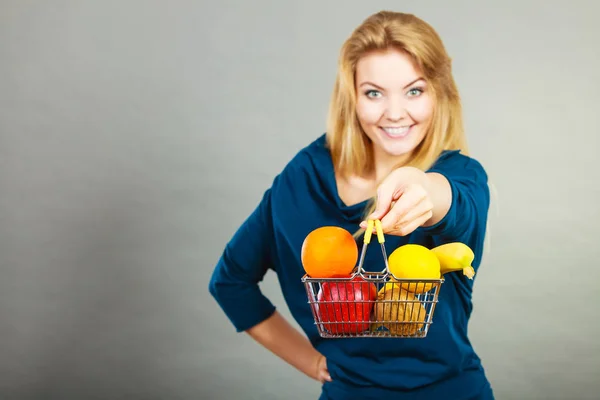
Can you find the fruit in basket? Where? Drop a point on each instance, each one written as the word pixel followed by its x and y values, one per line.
pixel 398 310
pixel 414 261
pixel 455 256
pixel 346 306
pixel 329 252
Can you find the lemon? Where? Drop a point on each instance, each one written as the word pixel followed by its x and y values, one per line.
pixel 414 261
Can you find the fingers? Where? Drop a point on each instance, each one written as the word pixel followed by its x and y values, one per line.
pixel 401 210
pixel 386 195
pixel 423 210
pixel 324 376
pixel 411 224
pixel 322 371
pixel 413 204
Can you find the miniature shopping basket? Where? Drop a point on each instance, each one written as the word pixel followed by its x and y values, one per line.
pixel 372 304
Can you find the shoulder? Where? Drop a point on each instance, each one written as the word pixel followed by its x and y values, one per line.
pixel 314 153
pixel 453 163
pixel 305 184
pixel 311 160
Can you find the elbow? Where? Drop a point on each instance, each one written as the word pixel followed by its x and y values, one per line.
pixel 222 281
pixel 242 302
pixel 213 287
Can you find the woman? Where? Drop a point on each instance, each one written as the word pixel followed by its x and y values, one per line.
pixel 394 150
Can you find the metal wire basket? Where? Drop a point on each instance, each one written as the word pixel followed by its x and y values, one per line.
pixel 372 304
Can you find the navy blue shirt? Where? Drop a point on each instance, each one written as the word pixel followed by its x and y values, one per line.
pixel 304 197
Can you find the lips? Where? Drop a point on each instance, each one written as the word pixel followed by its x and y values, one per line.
pixel 396 131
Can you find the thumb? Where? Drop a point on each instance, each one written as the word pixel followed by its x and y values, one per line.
pixel 324 372
pixel 385 197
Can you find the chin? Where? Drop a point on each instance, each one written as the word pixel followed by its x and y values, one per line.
pixel 398 151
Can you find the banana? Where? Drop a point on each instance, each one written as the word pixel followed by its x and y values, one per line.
pixel 455 256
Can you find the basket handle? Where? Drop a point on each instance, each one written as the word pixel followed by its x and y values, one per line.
pixel 373 223
pixel 369 231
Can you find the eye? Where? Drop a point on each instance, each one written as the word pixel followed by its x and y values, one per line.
pixel 373 93
pixel 415 92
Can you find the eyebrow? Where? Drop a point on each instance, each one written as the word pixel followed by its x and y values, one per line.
pixel 380 88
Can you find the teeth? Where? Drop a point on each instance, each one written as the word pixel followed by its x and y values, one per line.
pixel 397 131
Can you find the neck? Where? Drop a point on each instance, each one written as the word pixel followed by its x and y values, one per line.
pixel 385 163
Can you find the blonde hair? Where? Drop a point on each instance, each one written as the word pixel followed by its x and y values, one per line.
pixel 350 147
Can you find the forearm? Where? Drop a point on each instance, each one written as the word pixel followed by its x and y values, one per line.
pixel 281 338
pixel 440 194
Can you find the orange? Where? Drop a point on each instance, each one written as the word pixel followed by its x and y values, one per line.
pixel 329 252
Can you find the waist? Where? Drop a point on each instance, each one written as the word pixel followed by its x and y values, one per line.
pixel 468 385
pixel 401 365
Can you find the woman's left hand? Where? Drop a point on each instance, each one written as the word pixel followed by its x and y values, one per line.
pixel 403 202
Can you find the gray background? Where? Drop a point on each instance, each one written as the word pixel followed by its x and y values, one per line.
pixel 133 143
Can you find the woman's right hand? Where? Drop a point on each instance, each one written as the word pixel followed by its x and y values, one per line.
pixel 281 338
pixel 321 371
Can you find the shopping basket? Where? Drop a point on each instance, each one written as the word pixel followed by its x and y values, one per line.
pixel 372 304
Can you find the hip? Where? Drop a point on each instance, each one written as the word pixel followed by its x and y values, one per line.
pixel 469 385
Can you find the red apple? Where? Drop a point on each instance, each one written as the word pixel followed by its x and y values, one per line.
pixel 349 302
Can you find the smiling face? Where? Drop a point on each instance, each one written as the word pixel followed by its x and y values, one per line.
pixel 394 105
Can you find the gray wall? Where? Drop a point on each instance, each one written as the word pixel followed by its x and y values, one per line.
pixel 132 146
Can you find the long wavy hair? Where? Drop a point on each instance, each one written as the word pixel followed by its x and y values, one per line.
pixel 350 147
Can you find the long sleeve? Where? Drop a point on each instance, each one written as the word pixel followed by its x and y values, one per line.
pixel 467 217
pixel 243 264
pixel 305 197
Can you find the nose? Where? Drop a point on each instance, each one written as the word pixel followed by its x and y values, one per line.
pixel 395 110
